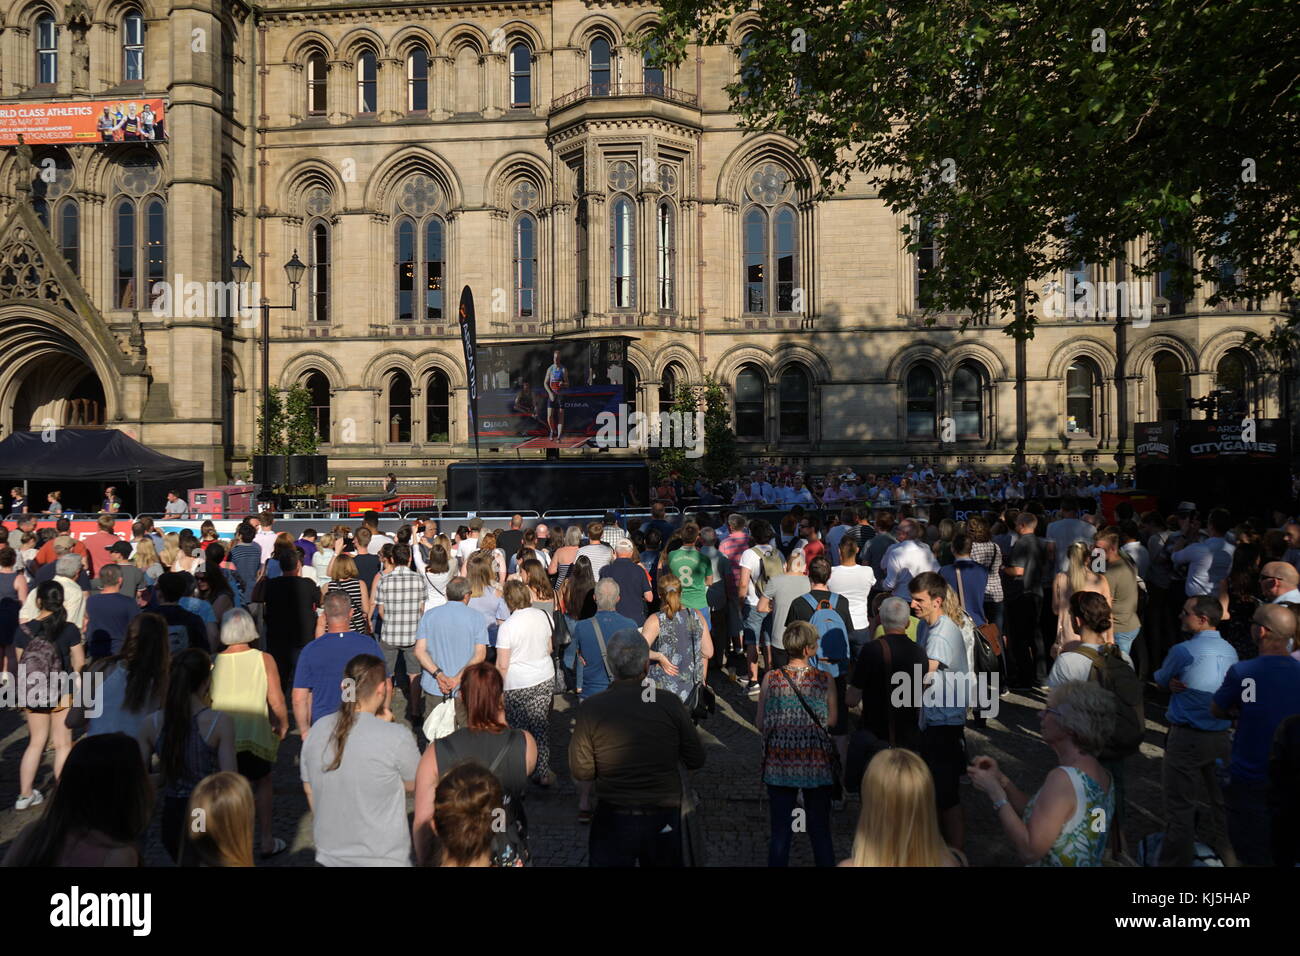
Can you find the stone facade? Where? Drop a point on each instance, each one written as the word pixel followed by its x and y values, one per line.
pixel 509 144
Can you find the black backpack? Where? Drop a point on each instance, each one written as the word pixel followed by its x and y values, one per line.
pixel 1111 671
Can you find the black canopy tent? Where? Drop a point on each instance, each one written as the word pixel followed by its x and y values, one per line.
pixel 103 456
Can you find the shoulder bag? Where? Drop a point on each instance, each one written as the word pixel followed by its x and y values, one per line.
pixel 828 743
pixel 701 702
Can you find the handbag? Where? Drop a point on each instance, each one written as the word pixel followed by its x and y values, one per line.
pixel 562 674
pixel 988 646
pixel 701 702
pixel 441 720
pixel 828 744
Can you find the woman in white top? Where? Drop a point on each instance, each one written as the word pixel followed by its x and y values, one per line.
pixel 854 581
pixel 528 670
pixel 320 561
pixel 436 574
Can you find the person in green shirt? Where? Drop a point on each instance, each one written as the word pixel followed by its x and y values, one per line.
pixel 694 570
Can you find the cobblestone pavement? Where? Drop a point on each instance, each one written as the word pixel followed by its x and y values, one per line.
pixel 734 808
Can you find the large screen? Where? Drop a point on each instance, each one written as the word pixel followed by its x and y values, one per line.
pixel 520 385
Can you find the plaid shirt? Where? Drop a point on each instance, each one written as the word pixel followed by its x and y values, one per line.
pixel 732 547
pixel 402 593
pixel 613 534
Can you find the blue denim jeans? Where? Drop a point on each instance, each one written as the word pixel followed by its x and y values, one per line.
pixel 754 621
pixel 1125 639
pixel 817 823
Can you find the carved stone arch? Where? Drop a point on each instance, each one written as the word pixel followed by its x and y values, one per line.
pixel 228 169
pixel 449 363
pixel 815 364
pixel 509 171
pixel 909 355
pixel 305 363
pixel 361 39
pixel 753 153
pixel 993 366
pixel 642 362
pixel 102 169
pixel 1143 354
pixel 729 363
pixel 460 34
pixel 296 51
pixel 111 11
pixel 1220 344
pixel 384 184
pixel 300 184
pixel 739 27
pixel 25 14
pixel 410 36
pixel 523 30
pixel 1082 347
pixel 581 35
pixel 680 355
pixel 375 374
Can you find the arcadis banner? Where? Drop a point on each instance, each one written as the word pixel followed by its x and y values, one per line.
pixel 126 120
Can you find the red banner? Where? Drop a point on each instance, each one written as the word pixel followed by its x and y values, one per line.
pixel 97 121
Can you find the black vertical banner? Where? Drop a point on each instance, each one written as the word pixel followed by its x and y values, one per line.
pixel 467 336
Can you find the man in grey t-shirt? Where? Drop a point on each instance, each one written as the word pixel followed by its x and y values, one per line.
pixel 781 591
pixel 1065 531
pixel 359 808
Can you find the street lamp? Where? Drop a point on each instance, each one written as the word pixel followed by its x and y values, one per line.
pixel 293 271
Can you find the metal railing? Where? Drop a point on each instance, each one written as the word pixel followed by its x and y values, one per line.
pixel 609 90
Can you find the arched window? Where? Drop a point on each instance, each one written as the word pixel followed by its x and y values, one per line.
pixel 521 76
pixel 749 74
pixel 316 84
pixel 751 409
pixel 793 393
pixel 525 266
pixel 437 407
pixel 318 270
pixel 1235 376
pixel 319 387
pixel 786 244
pixel 755 253
pixel 599 67
pixel 434 266
pixel 1082 381
pixel 622 248
pixel 669 383
pixel 47 50
pixel 580 251
pixel 367 84
pixel 133 47
pixel 417 80
pixel 405 270
pixel 922 402
pixel 654 71
pixel 70 234
pixel 631 387
pixel 968 401
pixel 155 253
pixel 124 255
pixel 665 235
pixel 399 407
pixel 1171 392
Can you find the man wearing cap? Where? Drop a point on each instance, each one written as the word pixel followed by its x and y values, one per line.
pixel 633 582
pixel 75 582
pixel 46 554
pixel 1279 583
pixel 133 580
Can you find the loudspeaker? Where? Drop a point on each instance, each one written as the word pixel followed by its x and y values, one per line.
pixel 307 469
pixel 268 470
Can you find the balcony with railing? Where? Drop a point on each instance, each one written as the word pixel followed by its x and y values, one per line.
pixel 608 91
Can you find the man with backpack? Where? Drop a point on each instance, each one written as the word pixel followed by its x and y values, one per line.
pixel 758 566
pixel 1090 658
pixel 829 613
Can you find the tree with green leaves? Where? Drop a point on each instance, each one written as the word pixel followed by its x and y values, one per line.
pixel 293 430
pixel 720 460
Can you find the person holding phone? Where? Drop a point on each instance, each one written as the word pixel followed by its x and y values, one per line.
pixel 557 380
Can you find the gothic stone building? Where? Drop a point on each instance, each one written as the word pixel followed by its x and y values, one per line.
pixel 524 149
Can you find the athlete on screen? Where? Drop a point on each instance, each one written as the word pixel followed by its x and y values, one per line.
pixel 525 404
pixel 557 380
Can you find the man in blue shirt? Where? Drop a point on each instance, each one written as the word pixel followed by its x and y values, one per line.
pixel 318 678
pixel 449 639
pixel 1198 741
pixel 1260 694
pixel 943 724
pixel 592 675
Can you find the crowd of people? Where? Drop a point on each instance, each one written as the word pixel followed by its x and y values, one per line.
pixel 425 663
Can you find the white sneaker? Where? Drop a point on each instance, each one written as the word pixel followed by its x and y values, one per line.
pixel 35 800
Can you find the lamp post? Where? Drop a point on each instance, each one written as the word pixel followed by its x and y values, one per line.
pixel 293 270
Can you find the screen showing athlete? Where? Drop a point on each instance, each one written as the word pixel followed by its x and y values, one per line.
pixel 557 380
pixel 525 404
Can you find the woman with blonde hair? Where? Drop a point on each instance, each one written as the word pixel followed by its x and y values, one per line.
pixel 146 559
pixel 899 822
pixel 171 550
pixel 1078 576
pixel 484 594
pixel 343 577
pixel 221 820
pixel 682 636
pixel 320 561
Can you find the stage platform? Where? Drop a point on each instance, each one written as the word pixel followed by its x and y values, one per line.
pixel 540 443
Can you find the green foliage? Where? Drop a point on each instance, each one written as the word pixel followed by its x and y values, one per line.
pixel 721 459
pixel 293 432
pixel 1036 135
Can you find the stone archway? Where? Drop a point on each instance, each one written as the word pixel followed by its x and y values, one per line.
pixel 49 382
